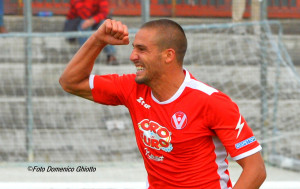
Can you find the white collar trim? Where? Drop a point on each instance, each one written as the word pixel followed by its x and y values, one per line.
pixel 179 91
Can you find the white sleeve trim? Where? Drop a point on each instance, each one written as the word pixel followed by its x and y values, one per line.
pixel 246 154
pixel 91 81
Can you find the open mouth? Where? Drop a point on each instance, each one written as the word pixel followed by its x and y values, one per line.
pixel 139 69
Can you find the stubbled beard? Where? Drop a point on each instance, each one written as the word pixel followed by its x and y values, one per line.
pixel 141 80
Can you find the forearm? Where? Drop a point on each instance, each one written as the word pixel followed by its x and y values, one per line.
pixel 253 174
pixel 249 179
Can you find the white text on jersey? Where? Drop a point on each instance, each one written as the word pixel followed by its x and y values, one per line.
pixel 143 103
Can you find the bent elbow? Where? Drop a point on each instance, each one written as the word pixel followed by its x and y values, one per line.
pixel 261 173
pixel 64 85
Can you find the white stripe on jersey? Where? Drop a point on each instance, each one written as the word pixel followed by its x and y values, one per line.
pixel 248 153
pixel 191 83
pixel 91 81
pixel 147 184
pixel 221 155
pixel 195 84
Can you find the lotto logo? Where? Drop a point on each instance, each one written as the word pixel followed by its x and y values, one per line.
pixel 179 120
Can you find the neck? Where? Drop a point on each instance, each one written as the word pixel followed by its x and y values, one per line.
pixel 167 85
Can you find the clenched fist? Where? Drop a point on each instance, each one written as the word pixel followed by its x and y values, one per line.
pixel 112 32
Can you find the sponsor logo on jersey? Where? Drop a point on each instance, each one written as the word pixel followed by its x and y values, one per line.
pixel 245 142
pixel 179 120
pixel 155 136
pixel 153 157
pixel 143 103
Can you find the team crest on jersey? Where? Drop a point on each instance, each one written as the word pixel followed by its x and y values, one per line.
pixel 179 120
pixel 155 136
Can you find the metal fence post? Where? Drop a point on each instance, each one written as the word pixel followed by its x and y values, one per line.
pixel 145 11
pixel 264 76
pixel 28 78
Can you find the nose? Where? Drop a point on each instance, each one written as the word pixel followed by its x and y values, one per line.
pixel 133 56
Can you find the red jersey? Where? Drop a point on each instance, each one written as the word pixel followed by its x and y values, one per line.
pixel 185 140
pixel 98 9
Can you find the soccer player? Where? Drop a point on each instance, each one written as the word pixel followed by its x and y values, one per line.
pixel 184 128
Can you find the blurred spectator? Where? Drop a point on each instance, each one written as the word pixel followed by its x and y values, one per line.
pixel 2 28
pixel 191 2
pixel 255 10
pixel 238 9
pixel 87 15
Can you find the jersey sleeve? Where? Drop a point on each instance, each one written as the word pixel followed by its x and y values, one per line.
pixel 231 128
pixel 111 89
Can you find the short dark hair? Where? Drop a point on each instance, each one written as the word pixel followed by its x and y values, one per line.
pixel 170 35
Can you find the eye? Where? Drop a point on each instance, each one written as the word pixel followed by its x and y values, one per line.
pixel 140 48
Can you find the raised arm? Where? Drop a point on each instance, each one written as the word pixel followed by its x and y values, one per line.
pixel 75 78
pixel 253 174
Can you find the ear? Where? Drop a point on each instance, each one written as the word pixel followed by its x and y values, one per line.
pixel 170 55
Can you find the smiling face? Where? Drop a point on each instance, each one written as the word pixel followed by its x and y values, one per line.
pixel 147 57
pixel 158 49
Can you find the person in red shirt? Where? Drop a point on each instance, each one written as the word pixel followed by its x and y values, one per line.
pixel 184 128
pixel 87 15
pixel 2 27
